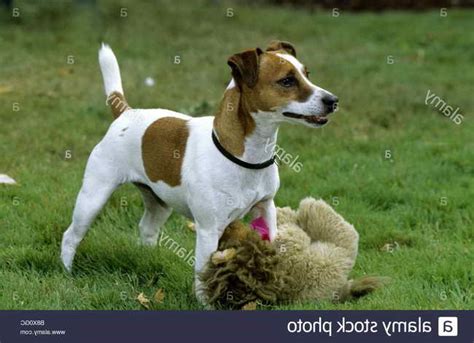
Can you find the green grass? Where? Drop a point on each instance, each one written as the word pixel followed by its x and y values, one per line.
pixel 419 200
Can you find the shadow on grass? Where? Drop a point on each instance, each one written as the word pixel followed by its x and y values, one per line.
pixel 88 262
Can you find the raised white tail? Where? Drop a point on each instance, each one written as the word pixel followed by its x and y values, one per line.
pixel 110 70
pixel 112 80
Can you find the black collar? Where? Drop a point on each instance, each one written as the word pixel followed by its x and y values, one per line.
pixel 234 159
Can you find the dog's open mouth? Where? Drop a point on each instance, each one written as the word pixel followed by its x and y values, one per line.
pixel 320 120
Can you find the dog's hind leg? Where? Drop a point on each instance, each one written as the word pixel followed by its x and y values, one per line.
pixel 156 214
pixel 99 183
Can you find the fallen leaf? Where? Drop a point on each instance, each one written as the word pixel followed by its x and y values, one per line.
pixel 251 306
pixel 159 296
pixel 65 71
pixel 190 225
pixel 5 89
pixel 143 300
pixel 390 247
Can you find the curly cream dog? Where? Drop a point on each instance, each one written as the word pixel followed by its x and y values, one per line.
pixel 213 170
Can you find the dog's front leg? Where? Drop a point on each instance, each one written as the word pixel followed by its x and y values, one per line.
pixel 267 210
pixel 207 239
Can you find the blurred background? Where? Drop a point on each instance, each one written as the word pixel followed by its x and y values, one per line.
pixel 372 5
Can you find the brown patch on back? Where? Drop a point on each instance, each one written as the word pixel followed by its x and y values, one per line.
pixel 163 148
pixel 118 104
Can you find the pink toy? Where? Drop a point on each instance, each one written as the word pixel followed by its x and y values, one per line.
pixel 260 225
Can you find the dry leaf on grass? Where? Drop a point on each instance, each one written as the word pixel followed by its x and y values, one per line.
pixel 390 247
pixel 65 71
pixel 143 300
pixel 5 89
pixel 251 306
pixel 190 225
pixel 159 296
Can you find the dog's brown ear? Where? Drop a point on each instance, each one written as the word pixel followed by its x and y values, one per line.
pixel 245 67
pixel 276 45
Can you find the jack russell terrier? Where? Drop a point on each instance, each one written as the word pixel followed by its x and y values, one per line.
pixel 214 170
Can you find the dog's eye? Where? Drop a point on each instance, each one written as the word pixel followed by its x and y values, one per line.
pixel 289 81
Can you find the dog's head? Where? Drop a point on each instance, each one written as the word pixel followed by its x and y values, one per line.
pixel 275 86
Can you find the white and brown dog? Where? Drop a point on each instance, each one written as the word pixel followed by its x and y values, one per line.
pixel 213 170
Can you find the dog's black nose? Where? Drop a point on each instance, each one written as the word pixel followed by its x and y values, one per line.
pixel 330 101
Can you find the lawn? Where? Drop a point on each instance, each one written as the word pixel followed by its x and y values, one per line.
pixel 397 168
